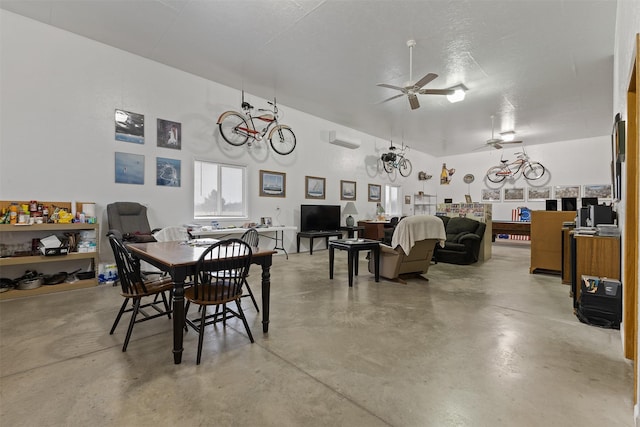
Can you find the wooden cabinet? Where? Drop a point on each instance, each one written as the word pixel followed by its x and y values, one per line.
pixel 594 256
pixel 373 229
pixel 546 240
pixel 21 236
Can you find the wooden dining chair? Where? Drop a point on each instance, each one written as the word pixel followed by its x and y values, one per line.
pixel 219 276
pixel 252 238
pixel 135 289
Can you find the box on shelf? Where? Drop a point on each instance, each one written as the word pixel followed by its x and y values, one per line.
pixel 52 246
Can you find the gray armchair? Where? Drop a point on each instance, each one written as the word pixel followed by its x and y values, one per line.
pixel 128 222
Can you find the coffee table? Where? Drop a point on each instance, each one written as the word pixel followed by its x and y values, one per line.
pixel 353 248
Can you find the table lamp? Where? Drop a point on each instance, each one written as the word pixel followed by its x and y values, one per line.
pixel 349 209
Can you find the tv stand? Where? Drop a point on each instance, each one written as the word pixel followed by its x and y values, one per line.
pixel 314 234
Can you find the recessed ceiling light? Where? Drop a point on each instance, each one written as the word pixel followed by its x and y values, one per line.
pixel 458 94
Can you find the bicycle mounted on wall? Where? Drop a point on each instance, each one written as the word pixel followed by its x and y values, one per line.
pixel 239 128
pixel 396 160
pixel 530 170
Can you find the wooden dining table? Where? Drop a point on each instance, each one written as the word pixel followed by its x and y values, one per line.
pixel 179 260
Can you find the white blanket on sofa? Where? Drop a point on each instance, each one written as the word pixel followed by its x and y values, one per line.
pixel 412 229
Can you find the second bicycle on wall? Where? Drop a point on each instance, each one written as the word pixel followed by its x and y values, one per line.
pixel 239 128
pixel 520 166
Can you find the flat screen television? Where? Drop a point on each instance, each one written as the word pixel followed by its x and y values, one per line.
pixel 319 217
pixel 551 205
pixel 589 201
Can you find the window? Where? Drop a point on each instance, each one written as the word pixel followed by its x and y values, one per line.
pixel 392 198
pixel 219 190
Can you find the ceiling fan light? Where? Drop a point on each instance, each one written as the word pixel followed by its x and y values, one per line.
pixel 457 96
pixel 508 136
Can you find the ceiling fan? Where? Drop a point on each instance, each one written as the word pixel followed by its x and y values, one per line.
pixel 413 89
pixel 497 143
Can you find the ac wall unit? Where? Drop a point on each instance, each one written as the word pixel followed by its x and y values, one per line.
pixel 337 139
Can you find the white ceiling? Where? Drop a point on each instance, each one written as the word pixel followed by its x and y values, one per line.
pixel 544 68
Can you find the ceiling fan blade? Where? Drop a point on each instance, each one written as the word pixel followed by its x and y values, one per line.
pixel 511 142
pixel 436 92
pixel 496 146
pixel 413 101
pixel 393 97
pixel 426 79
pixel 391 86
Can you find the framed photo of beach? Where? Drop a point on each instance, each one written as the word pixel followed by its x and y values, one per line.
pixel 314 187
pixel 273 184
pixel 347 190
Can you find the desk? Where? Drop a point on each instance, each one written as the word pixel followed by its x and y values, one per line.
pixel 179 260
pixel 313 234
pixel 353 248
pixel 224 232
pixel 593 256
pixel 519 228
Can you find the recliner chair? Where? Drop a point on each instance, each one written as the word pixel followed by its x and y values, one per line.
pixel 464 237
pixel 412 245
pixel 128 221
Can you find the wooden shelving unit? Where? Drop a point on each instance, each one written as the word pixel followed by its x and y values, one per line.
pixel 11 233
pixel 424 204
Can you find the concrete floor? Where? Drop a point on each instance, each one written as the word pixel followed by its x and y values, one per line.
pixel 480 345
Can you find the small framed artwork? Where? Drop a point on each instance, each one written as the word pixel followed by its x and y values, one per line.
pixel 273 184
pixel 129 168
pixel 539 194
pixel 314 187
pixel 514 194
pixel 266 221
pixel 561 191
pixel 407 200
pixel 129 127
pixel 600 191
pixel 490 195
pixel 375 191
pixel 467 198
pixel 167 172
pixel 347 190
pixel 169 134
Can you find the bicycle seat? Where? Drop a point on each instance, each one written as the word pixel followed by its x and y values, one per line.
pixel 504 161
pixel 246 106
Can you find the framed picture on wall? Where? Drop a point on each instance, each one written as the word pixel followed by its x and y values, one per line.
pixel 538 194
pixel 273 184
pixel 347 190
pixel 167 172
pixel 407 200
pixel 602 191
pixel 514 194
pixel 129 126
pixel 129 168
pixel 375 191
pixel 314 187
pixel 561 191
pixel 169 134
pixel 490 195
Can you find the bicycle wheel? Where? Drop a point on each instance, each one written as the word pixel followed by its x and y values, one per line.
pixel 496 174
pixel 231 129
pixel 388 166
pixel 405 167
pixel 533 171
pixel 282 140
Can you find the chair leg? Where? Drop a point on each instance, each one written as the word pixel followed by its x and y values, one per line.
pixel 203 315
pixel 244 319
pixel 134 313
pixel 122 308
pixel 246 284
pixel 166 305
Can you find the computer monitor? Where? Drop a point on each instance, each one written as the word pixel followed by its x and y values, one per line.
pixel 589 201
pixel 569 203
pixel 551 205
pixel 448 200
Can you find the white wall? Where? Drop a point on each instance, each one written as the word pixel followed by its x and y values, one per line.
pixel 58 96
